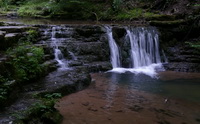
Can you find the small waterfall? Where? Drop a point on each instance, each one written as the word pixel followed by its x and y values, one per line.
pixel 164 57
pixel 144 47
pixel 114 50
pixel 144 51
pixel 73 56
pixel 57 52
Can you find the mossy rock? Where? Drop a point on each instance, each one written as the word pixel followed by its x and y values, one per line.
pixel 161 18
pixel 167 23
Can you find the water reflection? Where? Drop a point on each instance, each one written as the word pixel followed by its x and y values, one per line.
pixel 112 89
pixel 175 85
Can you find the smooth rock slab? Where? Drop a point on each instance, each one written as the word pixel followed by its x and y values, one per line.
pixel 10 39
pixel 15 29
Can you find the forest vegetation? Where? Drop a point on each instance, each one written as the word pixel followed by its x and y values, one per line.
pixel 101 9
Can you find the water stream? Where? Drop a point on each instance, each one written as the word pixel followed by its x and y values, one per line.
pixel 62 62
pixel 114 50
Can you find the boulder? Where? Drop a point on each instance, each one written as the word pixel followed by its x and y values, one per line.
pixel 10 39
pixel 65 82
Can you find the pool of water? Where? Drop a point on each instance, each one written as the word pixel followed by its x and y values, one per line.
pixel 170 84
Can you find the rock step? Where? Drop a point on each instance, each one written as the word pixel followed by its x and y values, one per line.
pixel 88 58
pixel 16 29
pixel 9 40
pixel 82 48
pixel 97 66
pixel 183 66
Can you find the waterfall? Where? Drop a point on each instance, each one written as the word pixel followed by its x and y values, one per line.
pixel 114 50
pixel 57 52
pixel 144 51
pixel 144 47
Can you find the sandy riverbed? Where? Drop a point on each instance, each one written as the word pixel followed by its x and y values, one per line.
pixel 106 103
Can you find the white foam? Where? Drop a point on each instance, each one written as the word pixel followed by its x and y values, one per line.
pixel 148 70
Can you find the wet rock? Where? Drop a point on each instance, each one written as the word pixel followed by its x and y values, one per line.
pixel 174 23
pixel 12 15
pixel 88 31
pixel 16 29
pixel 67 81
pixel 10 39
pixel 50 65
pixel 75 63
pixel 118 32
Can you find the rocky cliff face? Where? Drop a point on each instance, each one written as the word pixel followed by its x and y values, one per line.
pixel 177 39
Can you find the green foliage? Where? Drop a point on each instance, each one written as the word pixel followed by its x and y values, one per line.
pixel 194 45
pixel 41 112
pixel 53 96
pixel 131 14
pixel 116 4
pixel 4 4
pixel 3 93
pixel 196 4
pixel 34 8
pixel 32 36
pixel 26 59
pixel 2 79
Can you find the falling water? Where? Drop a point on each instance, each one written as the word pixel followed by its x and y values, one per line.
pixel 57 52
pixel 144 47
pixel 144 51
pixel 114 50
pixel 72 55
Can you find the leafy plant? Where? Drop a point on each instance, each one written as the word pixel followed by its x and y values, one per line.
pixel 116 4
pixel 41 112
pixel 4 4
pixel 53 96
pixel 3 93
pixel 26 59
pixel 194 45
pixel 3 79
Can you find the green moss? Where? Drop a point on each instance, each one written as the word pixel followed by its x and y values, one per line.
pixel 131 14
pixel 136 13
pixel 167 23
pixel 194 44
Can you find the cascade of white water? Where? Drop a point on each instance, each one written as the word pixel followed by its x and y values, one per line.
pixel 144 47
pixel 114 50
pixel 144 52
pixel 57 52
